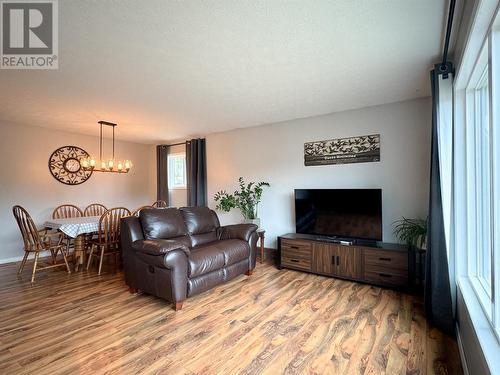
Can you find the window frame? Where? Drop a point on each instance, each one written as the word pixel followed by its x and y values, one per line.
pixel 483 31
pixel 481 71
pixel 483 221
pixel 494 60
pixel 171 184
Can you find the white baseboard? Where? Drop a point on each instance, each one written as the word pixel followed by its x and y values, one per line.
pixel 461 351
pixel 20 258
pixel 11 260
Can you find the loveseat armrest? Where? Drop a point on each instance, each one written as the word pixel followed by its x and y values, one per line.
pixel 159 247
pixel 237 231
pixel 159 267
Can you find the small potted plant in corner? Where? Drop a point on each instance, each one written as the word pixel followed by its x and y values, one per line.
pixel 413 232
pixel 246 199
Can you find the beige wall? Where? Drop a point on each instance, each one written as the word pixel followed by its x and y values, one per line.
pixel 25 179
pixel 274 153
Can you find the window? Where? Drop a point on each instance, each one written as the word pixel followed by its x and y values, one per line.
pixel 482 178
pixel 480 182
pixel 177 171
pixel 476 181
pixel 483 182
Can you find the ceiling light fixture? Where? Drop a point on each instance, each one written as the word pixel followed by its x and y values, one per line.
pixel 110 165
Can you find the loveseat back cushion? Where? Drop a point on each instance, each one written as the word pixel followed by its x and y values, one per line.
pixel 162 223
pixel 202 224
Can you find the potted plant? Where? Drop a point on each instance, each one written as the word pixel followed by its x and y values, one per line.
pixel 412 232
pixel 246 199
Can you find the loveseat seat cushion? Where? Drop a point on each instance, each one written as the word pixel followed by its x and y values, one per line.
pixel 162 223
pixel 202 224
pixel 216 255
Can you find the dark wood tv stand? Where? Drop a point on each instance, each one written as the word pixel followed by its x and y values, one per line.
pixel 375 263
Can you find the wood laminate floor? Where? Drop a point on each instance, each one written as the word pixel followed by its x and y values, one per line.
pixel 273 322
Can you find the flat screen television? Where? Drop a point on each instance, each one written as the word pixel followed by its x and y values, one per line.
pixel 341 213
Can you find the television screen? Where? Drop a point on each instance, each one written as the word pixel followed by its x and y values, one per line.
pixel 349 213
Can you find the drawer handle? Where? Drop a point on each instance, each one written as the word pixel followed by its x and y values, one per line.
pixel 294 247
pixel 384 275
pixel 385 259
pixel 333 259
pixel 294 260
pixel 338 260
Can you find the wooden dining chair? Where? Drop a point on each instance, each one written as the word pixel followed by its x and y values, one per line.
pixel 94 209
pixel 137 211
pixel 160 204
pixel 36 241
pixel 66 211
pixel 108 237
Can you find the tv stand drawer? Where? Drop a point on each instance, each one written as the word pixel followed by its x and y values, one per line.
pixel 296 249
pixel 386 259
pixel 295 262
pixel 385 277
pixel 371 268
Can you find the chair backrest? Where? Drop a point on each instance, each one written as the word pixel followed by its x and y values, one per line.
pixel 94 209
pixel 29 232
pixel 65 211
pixel 136 212
pixel 159 204
pixel 109 225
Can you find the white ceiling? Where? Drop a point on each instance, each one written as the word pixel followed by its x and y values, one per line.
pixel 167 70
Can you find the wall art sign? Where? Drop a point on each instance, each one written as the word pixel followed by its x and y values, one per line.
pixel 360 149
pixel 65 167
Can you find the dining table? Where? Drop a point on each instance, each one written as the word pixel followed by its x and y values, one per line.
pixel 76 228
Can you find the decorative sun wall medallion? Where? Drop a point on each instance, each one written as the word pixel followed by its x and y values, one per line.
pixel 64 164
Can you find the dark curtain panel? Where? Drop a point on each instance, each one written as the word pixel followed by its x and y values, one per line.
pixel 196 166
pixel 438 300
pixel 162 173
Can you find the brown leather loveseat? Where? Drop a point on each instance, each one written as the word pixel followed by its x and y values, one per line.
pixel 176 253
